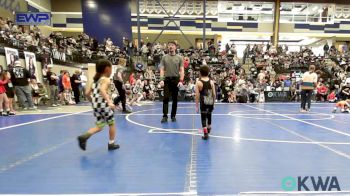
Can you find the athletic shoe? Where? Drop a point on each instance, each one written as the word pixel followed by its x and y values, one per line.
pixel 118 107
pixel 127 111
pixel 82 142
pixel 164 120
pixel 54 105
pixel 209 129
pixel 128 108
pixel 4 114
pixel 11 113
pixel 33 108
pixel 205 137
pixel 302 110
pixel 113 146
pixel 173 119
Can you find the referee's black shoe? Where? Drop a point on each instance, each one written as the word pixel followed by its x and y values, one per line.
pixel 164 119
pixel 173 119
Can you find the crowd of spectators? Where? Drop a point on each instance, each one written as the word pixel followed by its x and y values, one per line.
pixel 82 49
pixel 332 69
pixel 262 68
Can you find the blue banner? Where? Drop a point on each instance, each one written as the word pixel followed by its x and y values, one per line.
pixel 33 18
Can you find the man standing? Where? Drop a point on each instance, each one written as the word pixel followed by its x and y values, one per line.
pixel 76 82
pixel 308 85
pixel 52 79
pixel 171 76
pixel 325 49
pixel 20 77
pixel 83 79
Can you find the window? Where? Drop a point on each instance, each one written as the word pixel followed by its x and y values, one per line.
pixel 307 12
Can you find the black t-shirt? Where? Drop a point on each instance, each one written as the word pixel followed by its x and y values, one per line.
pixel 51 80
pixel 20 76
pixel 73 78
pixel 146 88
pixel 346 89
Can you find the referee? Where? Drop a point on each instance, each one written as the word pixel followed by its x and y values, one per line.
pixel 308 85
pixel 171 76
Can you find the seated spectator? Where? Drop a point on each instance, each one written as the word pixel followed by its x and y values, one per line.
pixel 132 79
pixel 332 97
pixel 321 92
pixel 147 91
pixel 345 93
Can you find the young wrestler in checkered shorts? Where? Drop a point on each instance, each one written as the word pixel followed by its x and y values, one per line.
pixel 102 105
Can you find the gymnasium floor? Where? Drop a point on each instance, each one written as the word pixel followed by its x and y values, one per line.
pixel 253 147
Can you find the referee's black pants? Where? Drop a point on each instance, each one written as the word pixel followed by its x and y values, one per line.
pixel 170 88
pixel 306 99
pixel 122 97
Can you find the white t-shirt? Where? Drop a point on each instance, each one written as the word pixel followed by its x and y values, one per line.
pixel 310 77
pixel 308 81
pixel 83 80
pixel 261 77
pixel 347 81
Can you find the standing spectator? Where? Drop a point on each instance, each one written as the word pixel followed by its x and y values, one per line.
pixel 31 68
pixel 66 81
pixel 20 77
pixel 35 91
pixel 67 85
pixel 345 48
pixel 325 49
pixel 227 48
pixel 309 82
pixel 287 83
pixel 83 80
pixel 76 82
pixel 3 97
pixel 109 45
pixel 10 92
pixel 60 86
pixel 52 78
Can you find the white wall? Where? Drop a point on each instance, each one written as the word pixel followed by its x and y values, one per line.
pixel 42 3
